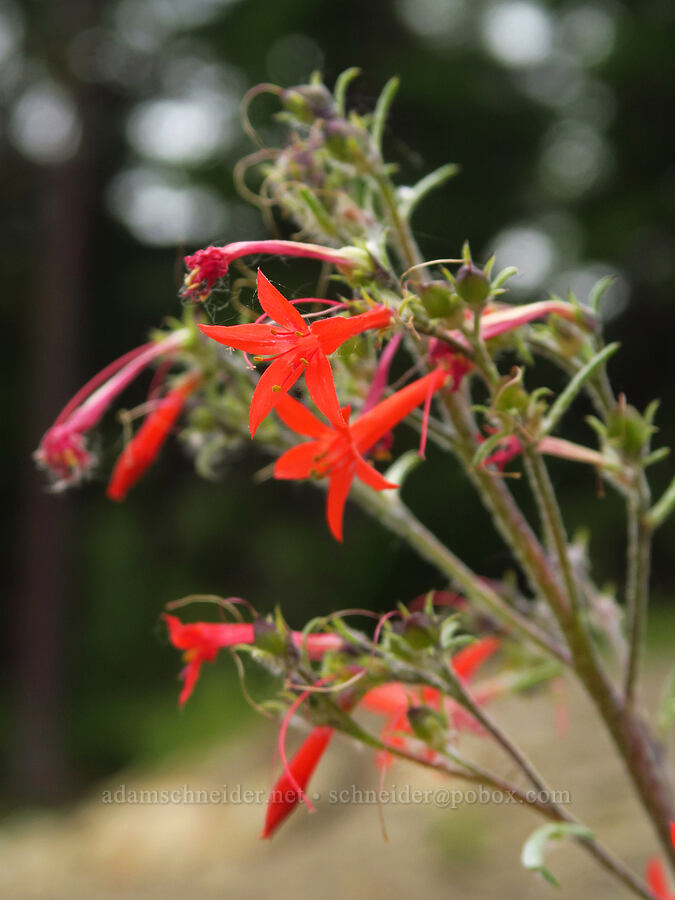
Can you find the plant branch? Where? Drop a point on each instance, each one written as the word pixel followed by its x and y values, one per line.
pixel 637 581
pixel 391 512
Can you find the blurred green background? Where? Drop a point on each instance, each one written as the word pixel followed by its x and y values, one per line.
pixel 118 136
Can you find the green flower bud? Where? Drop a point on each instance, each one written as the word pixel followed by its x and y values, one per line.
pixel 472 285
pixel 268 638
pixel 419 631
pixel 440 302
pixel 428 726
pixel 512 398
pixel 627 428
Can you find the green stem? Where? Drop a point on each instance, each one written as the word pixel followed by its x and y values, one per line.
pixel 405 242
pixel 391 512
pixel 637 582
pixel 552 521
pixel 643 756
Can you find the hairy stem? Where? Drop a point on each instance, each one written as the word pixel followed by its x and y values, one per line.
pixel 637 582
pixel 644 758
pixel 391 512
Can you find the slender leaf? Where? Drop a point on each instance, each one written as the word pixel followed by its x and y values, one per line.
pixel 563 402
pixel 382 107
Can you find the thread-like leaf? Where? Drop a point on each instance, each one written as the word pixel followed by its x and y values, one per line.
pixel 343 81
pixel 414 195
pixel 382 107
pixel 563 402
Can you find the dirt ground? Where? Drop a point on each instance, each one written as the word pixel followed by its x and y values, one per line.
pixel 105 847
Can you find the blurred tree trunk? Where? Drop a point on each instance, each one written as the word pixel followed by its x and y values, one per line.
pixel 43 576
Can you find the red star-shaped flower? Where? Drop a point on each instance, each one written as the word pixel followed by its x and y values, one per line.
pixel 337 451
pixel 294 347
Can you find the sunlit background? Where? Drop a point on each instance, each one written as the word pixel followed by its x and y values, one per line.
pixel 119 130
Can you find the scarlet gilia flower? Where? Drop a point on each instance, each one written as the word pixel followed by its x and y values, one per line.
pixel 143 449
pixel 393 700
pixel 293 347
pixel 63 451
pixel 337 451
pixel 201 642
pixel 206 267
pixel 289 789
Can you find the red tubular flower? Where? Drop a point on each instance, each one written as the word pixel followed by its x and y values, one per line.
pixel 293 347
pixel 207 266
pixel 143 449
pixel 655 876
pixel 288 791
pixel 201 642
pixel 63 449
pixel 337 452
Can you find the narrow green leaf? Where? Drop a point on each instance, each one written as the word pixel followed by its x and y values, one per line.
pixel 399 470
pixel 343 81
pixel 598 291
pixel 563 402
pixel 663 508
pixel 414 195
pixel 655 457
pixel 382 108
pixel 319 211
pixel 504 275
pixel 486 448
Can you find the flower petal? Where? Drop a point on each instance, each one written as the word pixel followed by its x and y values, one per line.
pixel 336 330
pixel 190 677
pixel 299 418
pixel 256 339
pixel 370 476
pixel 338 489
pixel 278 378
pixel 298 462
pixel 321 387
pixel 467 660
pixel 285 796
pixel 370 427
pixel 277 306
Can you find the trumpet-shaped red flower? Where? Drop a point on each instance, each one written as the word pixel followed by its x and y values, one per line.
pixel 337 452
pixel 143 449
pixel 289 789
pixel 201 642
pixel 293 347
pixel 207 266
pixel 63 449
pixel 393 700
